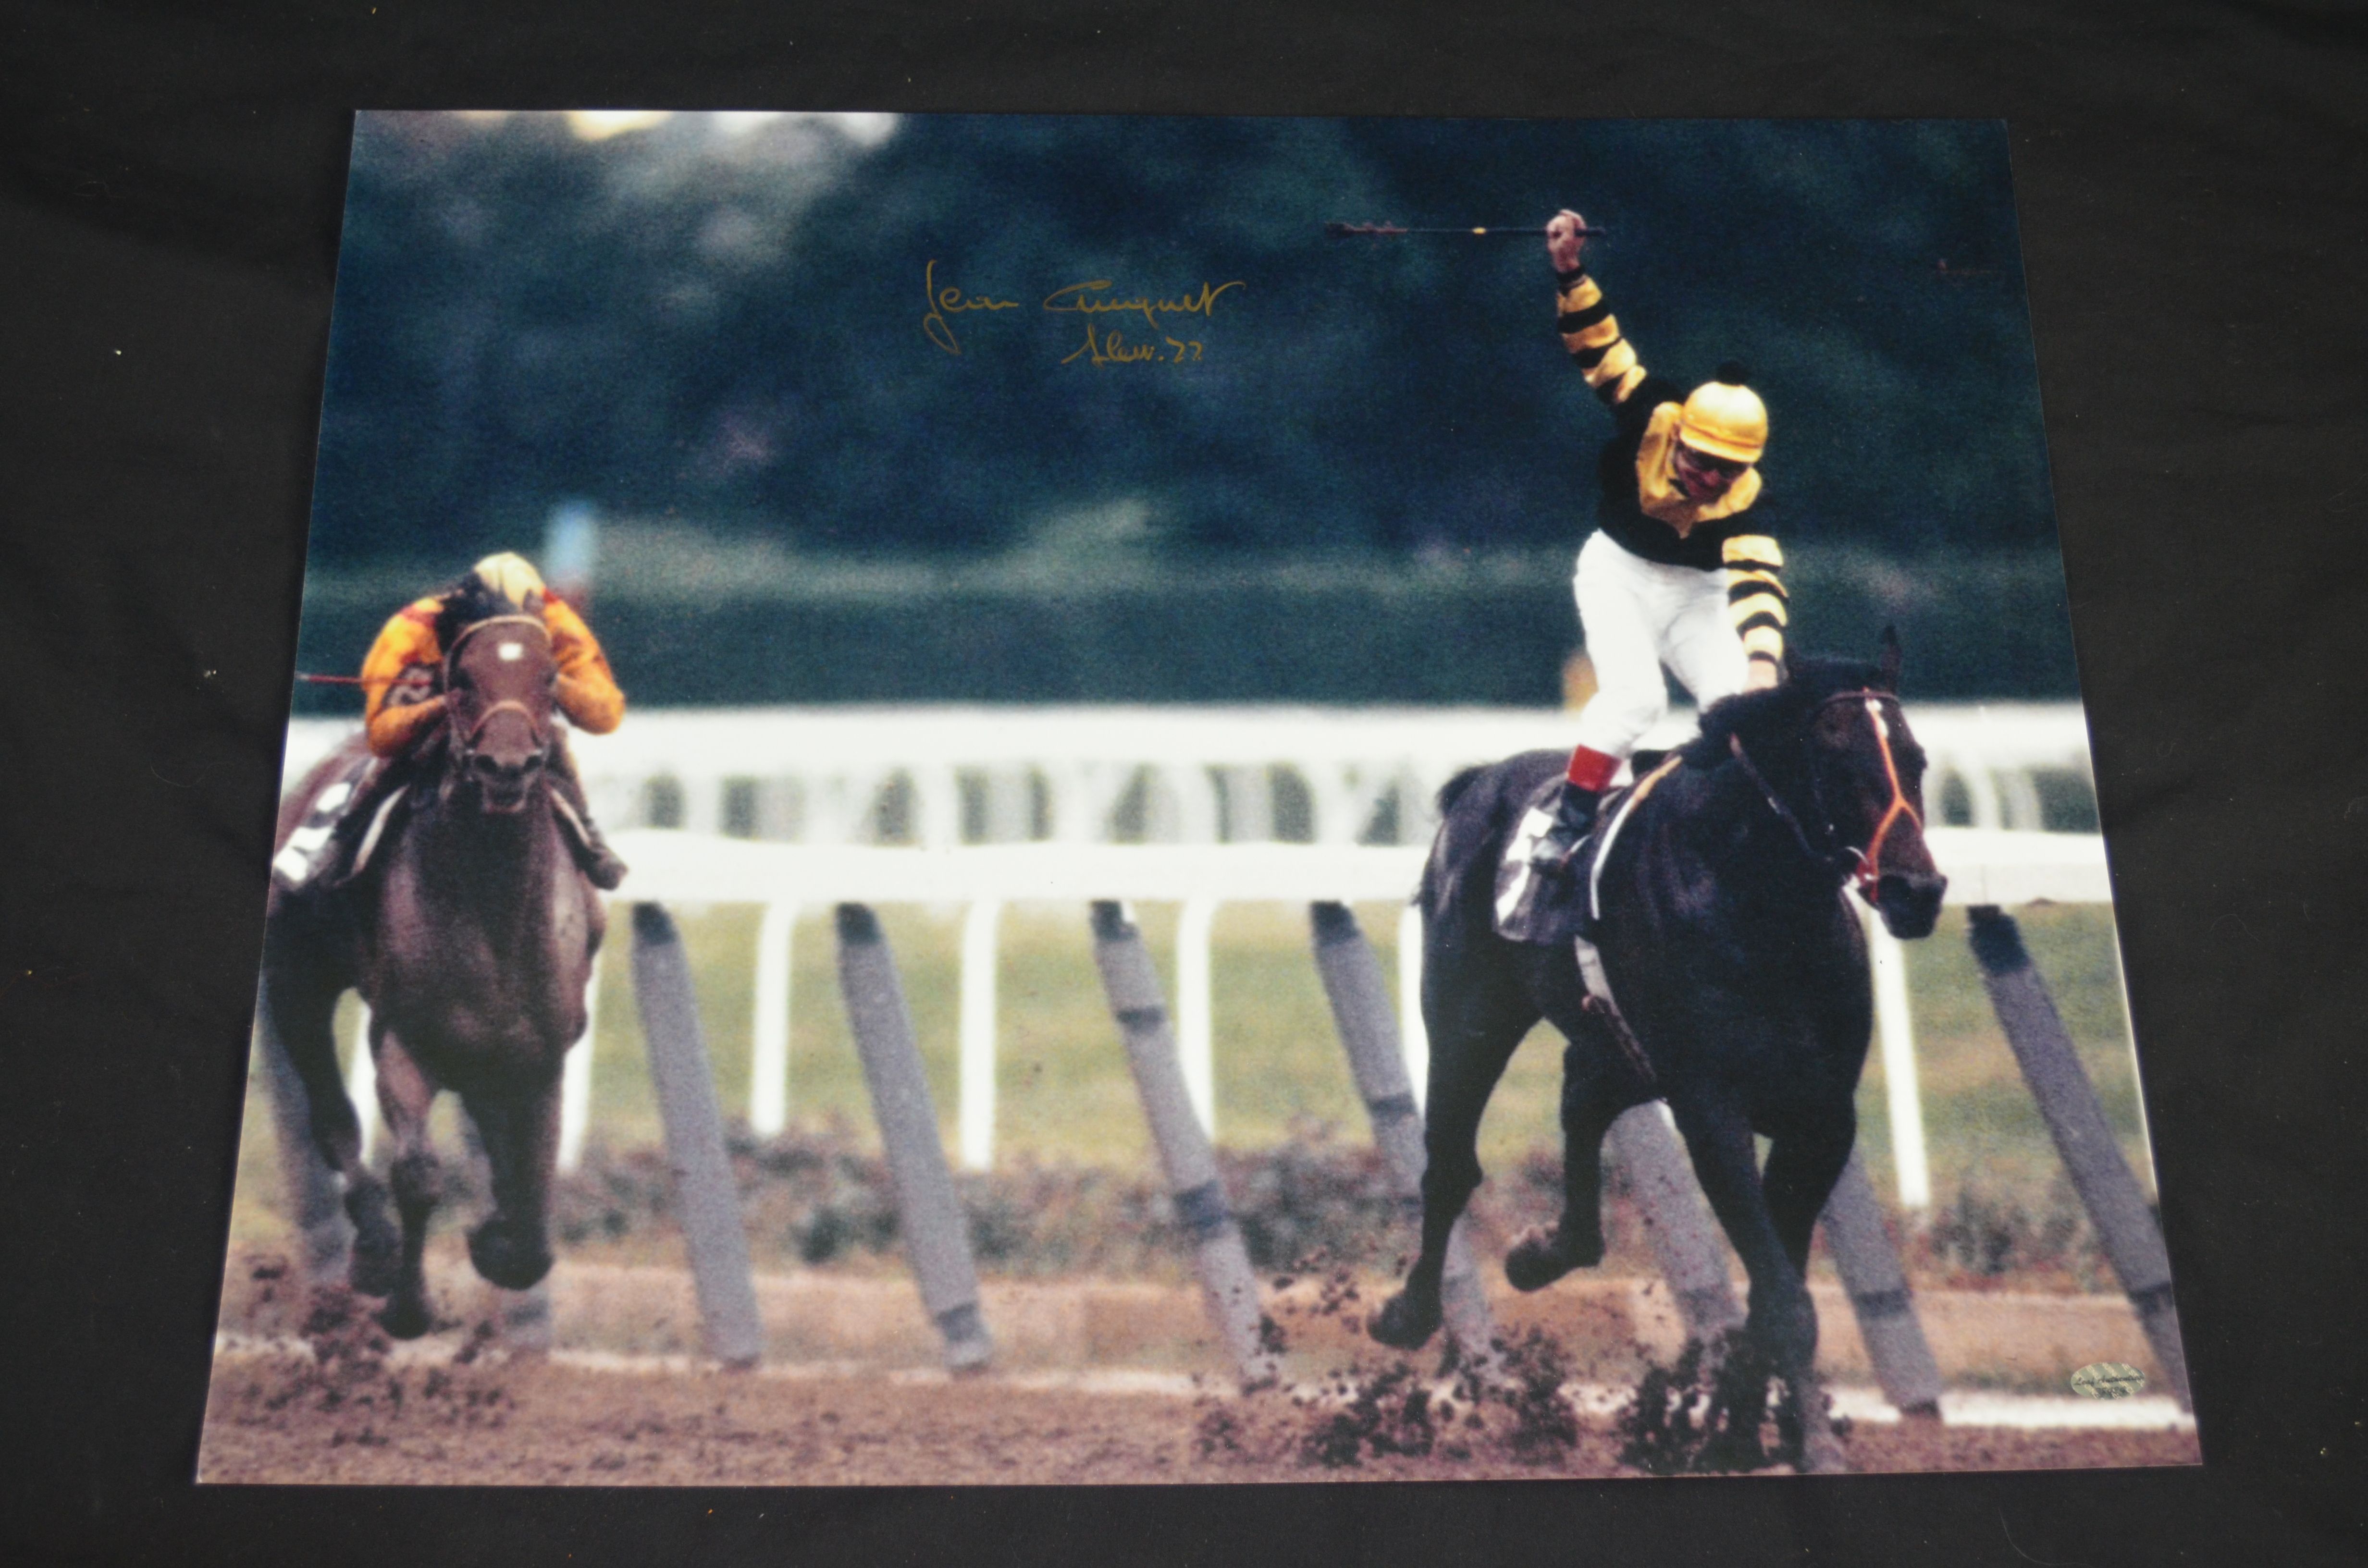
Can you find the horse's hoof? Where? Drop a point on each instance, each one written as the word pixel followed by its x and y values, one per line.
pixel 502 1260
pixel 1542 1257
pixel 1403 1324
pixel 406 1318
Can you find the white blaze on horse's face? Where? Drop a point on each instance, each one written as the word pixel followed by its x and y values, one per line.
pixel 511 653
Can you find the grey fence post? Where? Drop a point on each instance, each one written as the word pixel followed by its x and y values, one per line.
pixel 937 1238
pixel 1135 1000
pixel 311 1188
pixel 1677 1219
pixel 2116 1205
pixel 1878 1290
pixel 1367 1026
pixel 709 1197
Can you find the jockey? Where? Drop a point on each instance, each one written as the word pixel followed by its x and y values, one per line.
pixel 402 672
pixel 1678 571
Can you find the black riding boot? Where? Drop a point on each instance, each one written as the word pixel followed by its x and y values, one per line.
pixel 592 852
pixel 1574 818
pixel 336 866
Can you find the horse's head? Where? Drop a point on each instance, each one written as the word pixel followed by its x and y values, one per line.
pixel 1831 751
pixel 500 689
pixel 1867 777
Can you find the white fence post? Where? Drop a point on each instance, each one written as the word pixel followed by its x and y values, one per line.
pixel 1895 1028
pixel 575 1079
pixel 976 1111
pixel 768 1059
pixel 1196 1031
pixel 361 1083
pixel 1413 1039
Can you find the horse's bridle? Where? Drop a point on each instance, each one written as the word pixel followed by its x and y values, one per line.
pixel 464 742
pixel 1868 869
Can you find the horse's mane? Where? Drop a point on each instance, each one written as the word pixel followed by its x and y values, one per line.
pixel 467 602
pixel 1760 717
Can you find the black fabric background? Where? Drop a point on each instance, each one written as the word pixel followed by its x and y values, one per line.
pixel 2188 177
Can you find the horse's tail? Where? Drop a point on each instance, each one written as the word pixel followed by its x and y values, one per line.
pixel 1425 895
pixel 1452 790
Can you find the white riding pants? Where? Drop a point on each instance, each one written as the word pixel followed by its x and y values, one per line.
pixel 1638 615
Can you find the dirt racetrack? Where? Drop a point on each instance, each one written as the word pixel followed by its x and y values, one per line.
pixel 1096 1384
pixel 284 1417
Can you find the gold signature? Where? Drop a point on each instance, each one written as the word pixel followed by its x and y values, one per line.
pixel 1111 349
pixel 1074 298
pixel 946 302
pixel 1103 346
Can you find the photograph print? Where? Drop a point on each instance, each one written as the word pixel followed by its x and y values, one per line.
pixel 1038 800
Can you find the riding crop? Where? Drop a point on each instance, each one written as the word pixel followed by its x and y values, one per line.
pixel 1393 232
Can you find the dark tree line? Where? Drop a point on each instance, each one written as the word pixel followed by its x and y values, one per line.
pixel 727 331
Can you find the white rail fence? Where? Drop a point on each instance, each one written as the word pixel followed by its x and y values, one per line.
pixel 940 776
pixel 998 806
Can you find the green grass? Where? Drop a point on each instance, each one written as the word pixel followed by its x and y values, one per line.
pixel 1063 1094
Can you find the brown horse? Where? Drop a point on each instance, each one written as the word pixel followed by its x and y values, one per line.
pixel 471 935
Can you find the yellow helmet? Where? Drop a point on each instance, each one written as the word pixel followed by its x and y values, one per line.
pixel 1724 418
pixel 510 575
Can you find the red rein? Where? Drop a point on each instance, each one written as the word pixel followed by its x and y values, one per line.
pixel 1869 863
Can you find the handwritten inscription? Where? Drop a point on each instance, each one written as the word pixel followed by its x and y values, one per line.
pixel 949 301
pixel 1104 345
pixel 1111 349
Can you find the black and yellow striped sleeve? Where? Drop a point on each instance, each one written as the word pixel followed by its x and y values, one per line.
pixel 1755 594
pixel 1592 335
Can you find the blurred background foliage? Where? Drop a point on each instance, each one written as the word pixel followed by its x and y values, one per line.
pixel 1367 486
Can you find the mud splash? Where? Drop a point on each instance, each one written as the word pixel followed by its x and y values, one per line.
pixel 344 1374
pixel 1512 1410
pixel 1711 1413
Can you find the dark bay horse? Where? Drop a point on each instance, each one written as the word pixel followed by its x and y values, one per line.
pixel 1739 969
pixel 471 935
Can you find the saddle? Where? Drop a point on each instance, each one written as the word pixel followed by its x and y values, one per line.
pixel 1549 907
pixel 322 849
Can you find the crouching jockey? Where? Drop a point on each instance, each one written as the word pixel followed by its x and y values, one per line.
pixel 401 679
pixel 1681 571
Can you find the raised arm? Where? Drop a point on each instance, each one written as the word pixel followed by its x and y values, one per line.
pixel 1589 329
